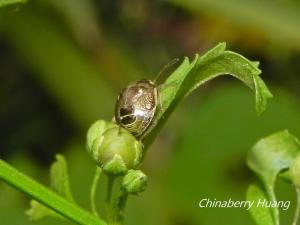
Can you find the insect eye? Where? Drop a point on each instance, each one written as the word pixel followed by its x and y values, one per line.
pixel 129 119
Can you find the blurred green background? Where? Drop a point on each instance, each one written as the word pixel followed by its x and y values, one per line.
pixel 63 62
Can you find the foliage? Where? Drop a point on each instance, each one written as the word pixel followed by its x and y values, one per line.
pixel 186 78
pixel 268 158
pixel 45 196
pixel 190 75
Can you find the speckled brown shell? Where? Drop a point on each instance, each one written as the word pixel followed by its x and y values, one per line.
pixel 136 105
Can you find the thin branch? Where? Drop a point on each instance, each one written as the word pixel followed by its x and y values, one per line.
pixel 93 190
pixel 297 212
pixel 108 204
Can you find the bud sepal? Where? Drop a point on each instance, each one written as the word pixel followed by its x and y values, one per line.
pixel 113 148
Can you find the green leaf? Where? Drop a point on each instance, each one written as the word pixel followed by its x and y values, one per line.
pixel 11 3
pixel 59 181
pixel 59 177
pixel 272 154
pixel 261 215
pixel 190 75
pixel 38 211
pixel 269 157
pixel 47 197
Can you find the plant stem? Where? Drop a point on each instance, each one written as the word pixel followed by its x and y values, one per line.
pixel 296 217
pixel 119 206
pixel 46 196
pixel 274 211
pixel 93 190
pixel 109 189
pixel 108 205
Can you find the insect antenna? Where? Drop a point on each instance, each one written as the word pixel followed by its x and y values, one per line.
pixel 168 65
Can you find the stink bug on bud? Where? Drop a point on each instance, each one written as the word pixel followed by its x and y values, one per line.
pixel 137 104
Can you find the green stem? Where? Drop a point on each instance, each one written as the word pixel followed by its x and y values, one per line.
pixel 109 189
pixel 93 190
pixel 47 197
pixel 119 206
pixel 296 217
pixel 108 204
pixel 274 211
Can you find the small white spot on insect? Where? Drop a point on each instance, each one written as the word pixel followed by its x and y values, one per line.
pixel 139 112
pixel 148 106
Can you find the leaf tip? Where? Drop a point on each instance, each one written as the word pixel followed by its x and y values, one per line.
pixel 222 44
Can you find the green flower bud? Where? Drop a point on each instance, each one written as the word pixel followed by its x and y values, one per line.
pixel 134 182
pixel 95 132
pixel 113 148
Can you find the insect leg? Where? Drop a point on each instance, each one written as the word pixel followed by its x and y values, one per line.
pixel 168 65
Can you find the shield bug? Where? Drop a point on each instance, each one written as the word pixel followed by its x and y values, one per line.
pixel 137 104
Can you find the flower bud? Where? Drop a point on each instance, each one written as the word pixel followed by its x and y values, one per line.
pixel 134 182
pixel 95 132
pixel 113 148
